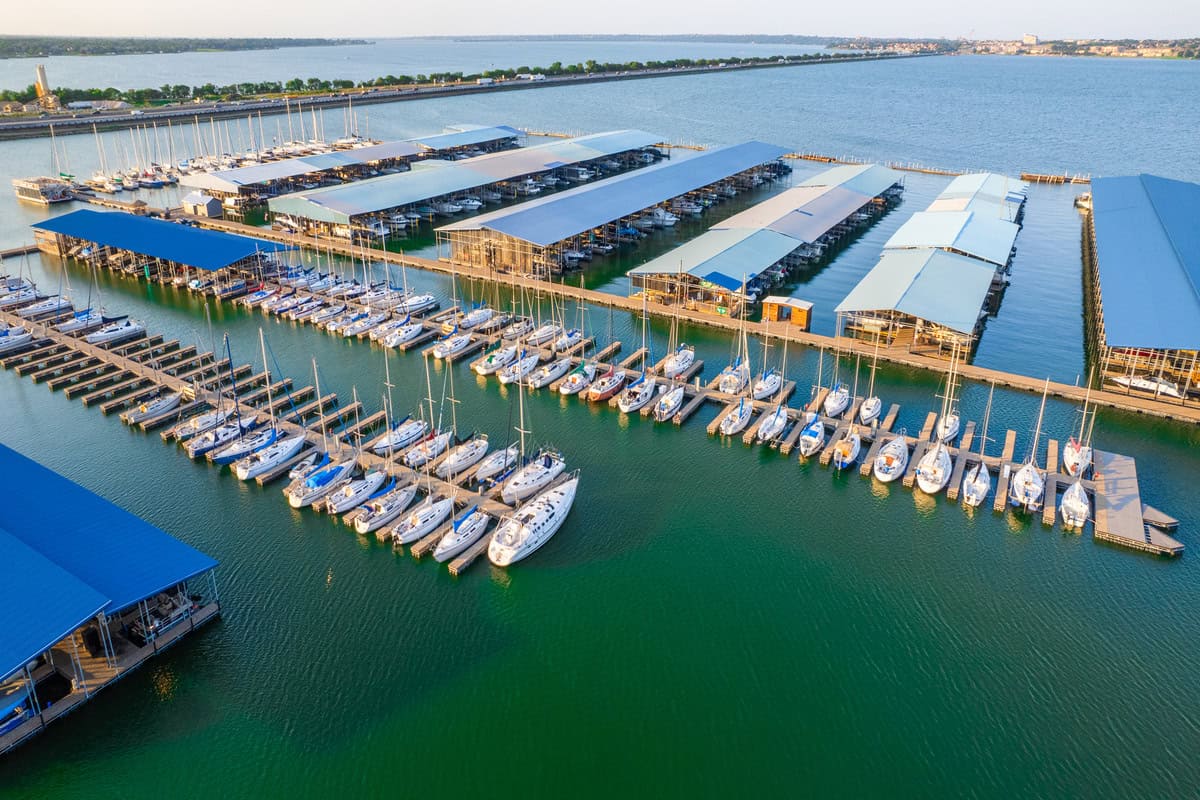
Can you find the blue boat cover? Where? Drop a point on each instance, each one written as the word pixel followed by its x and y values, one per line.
pixel 157 238
pixel 98 555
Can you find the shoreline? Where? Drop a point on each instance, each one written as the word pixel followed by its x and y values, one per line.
pixel 85 123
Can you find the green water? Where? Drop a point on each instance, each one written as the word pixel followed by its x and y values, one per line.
pixel 713 619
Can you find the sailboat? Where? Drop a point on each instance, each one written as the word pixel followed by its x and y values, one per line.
pixel 736 377
pixel 977 483
pixel 352 493
pixel 452 345
pixel 643 388
pixel 422 520
pixel 535 473
pixel 871 407
pixel 497 463
pixel 669 403
pixel 846 451
pixel 383 509
pixel 892 459
pixel 516 371
pixel 496 360
pixel 948 421
pixel 527 529
pixel 579 379
pixel 1077 452
pixel 934 468
pixel 404 333
pixel 463 533
pixel 774 421
pixel 737 419
pixel 279 451
pixel 1075 507
pixel 681 356
pixel 812 435
pixel 311 488
pixel 463 457
pixel 769 381
pixel 1029 483
pixel 151 408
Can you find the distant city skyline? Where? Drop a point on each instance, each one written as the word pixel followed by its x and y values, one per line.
pixel 1064 19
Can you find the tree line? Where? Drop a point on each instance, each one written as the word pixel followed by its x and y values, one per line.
pixel 176 93
pixel 38 46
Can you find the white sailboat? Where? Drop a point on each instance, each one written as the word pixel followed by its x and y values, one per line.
pixel 892 459
pixel 14 338
pixel 948 421
pixel 308 490
pixel 1075 507
pixel 496 360
pixel 812 435
pixel 463 457
pixel 516 371
pixel 837 401
pixel 548 373
pixel 465 531
pixel 846 451
pixel 737 419
pixel 977 483
pixel 152 408
pixel 279 451
pixel 530 527
pixel 422 520
pixel 1077 452
pixel 383 509
pixel 497 463
pixel 871 407
pixel 1028 485
pixel 643 388
pixel 116 332
pixel 934 468
pixel 352 493
pixel 681 356
pixel 669 403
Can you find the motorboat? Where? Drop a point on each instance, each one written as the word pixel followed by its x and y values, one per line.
pixel 400 436
pixel 383 509
pixel 269 457
pixel 679 361
pixel 837 401
pixel 892 459
pixel 772 423
pixel 579 379
pixel 152 408
pixel 247 444
pixel 430 448
pixel 353 492
pixel 521 534
pixel 81 321
pixel 933 470
pixel 567 340
pixel 469 203
pixel 846 451
pixel 543 334
pixel 549 373
pixel 870 409
pixel 219 436
pixel 976 485
pixel 452 345
pixel 1075 507
pixel 812 435
pixel 496 360
pixel 638 394
pixel 734 378
pixel 14 338
pixel 422 520
pixel 768 384
pixel 311 488
pixel 116 332
pixel 462 458
pixel 465 531
pixel 533 476
pixel 447 208
pixel 605 386
pixel 1152 384
pixel 517 370
pixel 496 463
pixel 737 419
pixel 403 335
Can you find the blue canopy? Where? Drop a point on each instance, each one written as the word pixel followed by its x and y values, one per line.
pixel 157 238
pixel 122 558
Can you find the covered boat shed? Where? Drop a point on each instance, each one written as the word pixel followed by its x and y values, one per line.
pixel 988 193
pixel 366 205
pixel 967 233
pixel 91 592
pixel 1142 251
pixel 242 186
pixel 154 248
pixel 760 245
pixel 536 237
pixel 919 297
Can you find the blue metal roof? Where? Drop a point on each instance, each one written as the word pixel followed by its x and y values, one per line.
pixel 562 215
pixel 157 238
pixel 42 603
pixel 930 284
pixel 1148 257
pixel 122 557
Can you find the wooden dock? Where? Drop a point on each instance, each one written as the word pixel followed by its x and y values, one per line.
pixel 1050 498
pixel 1119 508
pixel 1006 471
pixel 960 461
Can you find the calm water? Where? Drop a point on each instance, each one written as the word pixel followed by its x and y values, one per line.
pixel 712 616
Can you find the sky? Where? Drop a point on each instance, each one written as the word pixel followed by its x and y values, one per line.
pixel 374 19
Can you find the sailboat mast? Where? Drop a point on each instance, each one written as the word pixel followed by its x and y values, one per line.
pixel 320 407
pixel 262 342
pixel 987 416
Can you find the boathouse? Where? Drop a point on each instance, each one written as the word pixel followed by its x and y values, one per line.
pixel 544 236
pixel 1142 284
pixel 90 593
pixel 246 185
pixel 927 293
pixel 740 258
pixel 153 248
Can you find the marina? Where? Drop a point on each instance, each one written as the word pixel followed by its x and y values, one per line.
pixel 724 582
